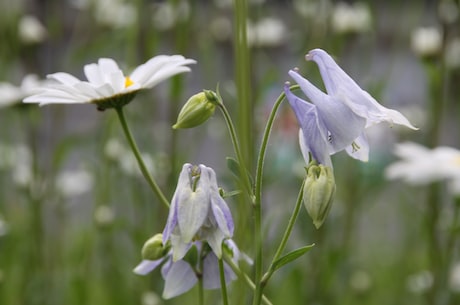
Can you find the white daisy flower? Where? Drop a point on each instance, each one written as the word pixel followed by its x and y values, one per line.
pixel 107 86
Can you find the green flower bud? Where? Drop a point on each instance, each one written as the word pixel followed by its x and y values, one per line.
pixel 153 248
pixel 318 192
pixel 197 110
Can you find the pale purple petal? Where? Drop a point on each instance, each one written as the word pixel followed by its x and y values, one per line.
pixel 214 237
pixel 219 207
pixel 146 266
pixel 211 274
pixel 359 149
pixel 179 247
pixel 339 83
pixel 342 124
pixel 193 208
pixel 314 132
pixel 179 279
pixel 183 182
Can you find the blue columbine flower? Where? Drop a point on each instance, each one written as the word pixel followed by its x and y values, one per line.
pixel 197 212
pixel 336 121
pixel 181 275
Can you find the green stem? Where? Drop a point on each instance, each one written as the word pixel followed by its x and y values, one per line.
pixel 243 81
pixel 285 238
pixel 243 276
pixel 223 286
pixel 235 142
pixel 258 196
pixel 153 185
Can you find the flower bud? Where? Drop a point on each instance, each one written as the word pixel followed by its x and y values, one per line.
pixel 318 192
pixel 153 248
pixel 197 110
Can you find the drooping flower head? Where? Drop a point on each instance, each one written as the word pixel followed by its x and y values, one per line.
pixel 336 121
pixel 197 212
pixel 107 86
pixel 181 275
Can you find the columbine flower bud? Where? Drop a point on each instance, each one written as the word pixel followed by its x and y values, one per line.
pixel 153 248
pixel 318 192
pixel 197 110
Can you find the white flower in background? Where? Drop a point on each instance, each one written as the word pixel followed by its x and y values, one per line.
pixel 351 18
pixel 31 30
pixel 117 152
pixel 426 41
pixel 448 11
pixel 267 32
pixel 420 282
pixel 115 13
pixel 221 28
pixel 452 53
pixel 11 94
pixel 104 215
pixel 18 159
pixel 150 298
pixel 454 278
pixel 420 165
pixel 166 14
pixel 107 86
pixel 72 183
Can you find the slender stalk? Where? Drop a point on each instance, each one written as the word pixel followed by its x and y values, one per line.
pixel 223 286
pixel 243 276
pixel 287 234
pixel 258 196
pixel 153 185
pixel 236 144
pixel 243 82
pixel 200 291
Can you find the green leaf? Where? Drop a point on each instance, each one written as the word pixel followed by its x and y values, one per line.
pixel 291 256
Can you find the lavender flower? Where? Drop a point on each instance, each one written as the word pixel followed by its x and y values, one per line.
pixel 197 212
pixel 337 120
pixel 181 275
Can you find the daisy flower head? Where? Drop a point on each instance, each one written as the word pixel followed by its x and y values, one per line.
pixel 106 85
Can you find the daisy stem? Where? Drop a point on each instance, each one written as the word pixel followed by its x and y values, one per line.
pixel 285 238
pixel 153 185
pixel 258 197
pixel 223 286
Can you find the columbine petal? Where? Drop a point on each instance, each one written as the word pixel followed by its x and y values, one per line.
pixel 180 278
pixel 211 274
pixel 179 246
pixel 313 133
pixel 214 237
pixel 359 149
pixel 219 207
pixel 338 83
pixel 342 124
pixel 146 266
pixel 193 208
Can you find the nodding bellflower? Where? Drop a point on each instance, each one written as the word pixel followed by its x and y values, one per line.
pixel 181 275
pixel 197 212
pixel 336 120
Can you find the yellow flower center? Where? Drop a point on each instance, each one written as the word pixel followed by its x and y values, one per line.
pixel 128 82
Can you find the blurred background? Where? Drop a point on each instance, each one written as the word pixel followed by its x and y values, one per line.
pixel 75 210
